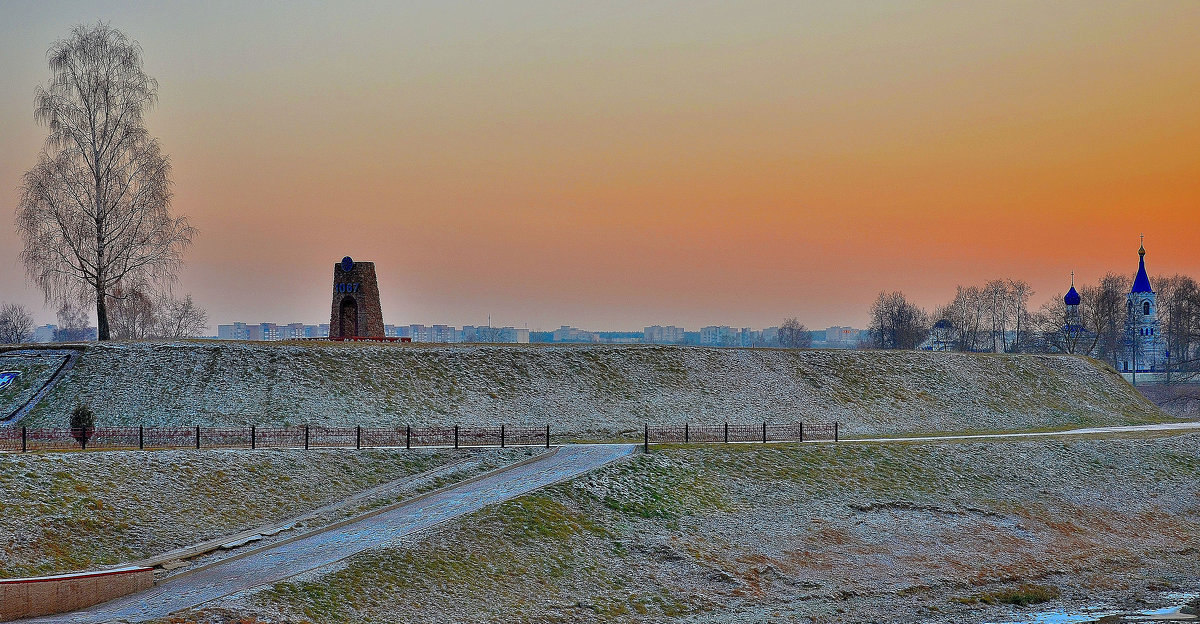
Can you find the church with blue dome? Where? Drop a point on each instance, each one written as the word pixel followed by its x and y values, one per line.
pixel 1144 349
pixel 1144 356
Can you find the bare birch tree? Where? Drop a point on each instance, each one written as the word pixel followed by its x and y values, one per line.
pixel 94 209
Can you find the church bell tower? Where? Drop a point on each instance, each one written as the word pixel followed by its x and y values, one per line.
pixel 1144 351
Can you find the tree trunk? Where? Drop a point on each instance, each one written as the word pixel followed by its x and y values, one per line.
pixel 101 316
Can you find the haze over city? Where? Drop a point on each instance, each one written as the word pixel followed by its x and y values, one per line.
pixel 620 165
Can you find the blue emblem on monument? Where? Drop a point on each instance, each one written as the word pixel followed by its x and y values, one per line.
pixel 8 377
pixel 347 264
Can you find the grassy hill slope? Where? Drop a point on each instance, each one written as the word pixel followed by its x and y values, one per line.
pixel 588 390
pixel 916 532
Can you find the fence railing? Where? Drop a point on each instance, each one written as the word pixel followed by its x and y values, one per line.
pixel 24 439
pixel 738 432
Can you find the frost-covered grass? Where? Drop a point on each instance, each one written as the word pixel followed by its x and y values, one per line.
pixel 36 369
pixel 62 512
pixel 587 391
pixel 822 533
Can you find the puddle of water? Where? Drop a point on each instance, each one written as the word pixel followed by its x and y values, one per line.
pixel 1092 615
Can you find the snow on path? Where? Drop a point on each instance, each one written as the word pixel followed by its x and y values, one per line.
pixel 307 553
pixel 1175 426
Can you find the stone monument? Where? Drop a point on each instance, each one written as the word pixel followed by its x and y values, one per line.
pixel 355 312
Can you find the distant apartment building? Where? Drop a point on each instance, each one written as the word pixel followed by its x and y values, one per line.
pixel 720 336
pixel 513 334
pixel 292 331
pixel 443 333
pixel 45 333
pixel 842 337
pixel 54 333
pixel 657 334
pixel 572 334
pixel 620 337
pixel 271 331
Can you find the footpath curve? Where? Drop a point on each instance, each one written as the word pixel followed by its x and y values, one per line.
pixel 275 563
pixel 1172 426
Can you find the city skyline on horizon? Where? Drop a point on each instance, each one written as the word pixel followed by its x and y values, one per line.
pixel 632 165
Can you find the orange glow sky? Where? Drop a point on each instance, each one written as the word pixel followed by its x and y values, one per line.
pixel 613 165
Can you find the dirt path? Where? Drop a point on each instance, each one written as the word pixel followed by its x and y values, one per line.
pixel 275 563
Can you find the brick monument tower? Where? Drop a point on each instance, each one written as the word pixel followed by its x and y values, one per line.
pixel 355 312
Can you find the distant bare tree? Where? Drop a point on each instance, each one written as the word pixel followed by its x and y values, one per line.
pixel 16 324
pixel 1057 331
pixel 1179 318
pixel 794 335
pixel 1104 312
pixel 132 313
pixel 180 318
pixel 896 323
pixel 93 211
pixel 1019 293
pixel 72 322
pixel 964 317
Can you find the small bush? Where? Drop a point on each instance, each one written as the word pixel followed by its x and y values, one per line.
pixel 83 424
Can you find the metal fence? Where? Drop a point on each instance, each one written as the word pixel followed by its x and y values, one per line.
pixel 23 439
pixel 739 432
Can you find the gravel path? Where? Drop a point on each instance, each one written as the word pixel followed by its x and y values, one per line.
pixel 321 549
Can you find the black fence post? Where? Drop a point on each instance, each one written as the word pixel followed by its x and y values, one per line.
pixel 141 437
pixel 197 436
pixel 802 432
pixel 455 436
pixel 835 431
pixel 24 439
pixel 547 436
pixel 727 432
pixel 306 437
pixel 764 432
pixel 686 436
pixel 646 439
pixel 407 436
pixel 253 440
pixel 501 436
pixel 358 437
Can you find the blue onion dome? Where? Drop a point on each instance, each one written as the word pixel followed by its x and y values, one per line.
pixel 1072 298
pixel 1141 283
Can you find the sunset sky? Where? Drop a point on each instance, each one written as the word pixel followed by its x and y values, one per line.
pixel 612 165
